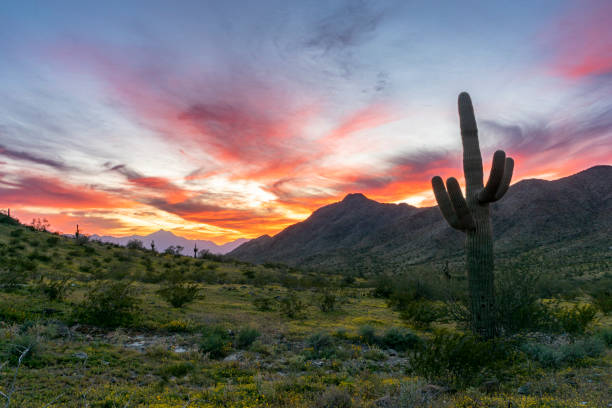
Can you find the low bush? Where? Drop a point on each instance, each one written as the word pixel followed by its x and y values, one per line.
pixel 322 345
pixel 602 299
pixel 411 289
pixel 56 288
pixel 177 370
pixel 400 339
pixel 5 219
pixel 519 308
pixel 422 313
pixel 25 346
pixel 569 354
pixel 263 303
pixel 605 335
pixel 334 397
pixel 215 342
pixel 109 304
pixel 367 334
pixel 459 359
pixel 574 320
pixel 328 301
pixel 81 240
pixel 246 337
pixel 53 241
pixel 11 279
pixel 135 244
pixel 178 326
pixel 291 306
pixel 374 354
pixel 383 287
pixel 179 294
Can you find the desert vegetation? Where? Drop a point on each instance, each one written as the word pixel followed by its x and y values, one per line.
pixel 92 324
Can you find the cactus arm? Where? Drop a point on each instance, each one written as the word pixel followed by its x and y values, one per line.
pixel 505 182
pixel 472 159
pixel 487 194
pixel 459 204
pixel 444 203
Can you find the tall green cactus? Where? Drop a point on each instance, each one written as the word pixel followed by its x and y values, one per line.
pixel 471 215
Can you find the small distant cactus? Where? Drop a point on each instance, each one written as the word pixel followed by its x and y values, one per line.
pixel 76 234
pixel 471 215
pixel 152 246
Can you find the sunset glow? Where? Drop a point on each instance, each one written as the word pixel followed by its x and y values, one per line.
pixel 223 120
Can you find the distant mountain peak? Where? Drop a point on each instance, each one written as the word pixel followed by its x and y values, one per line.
pixel 163 239
pixel 355 197
pixel 162 232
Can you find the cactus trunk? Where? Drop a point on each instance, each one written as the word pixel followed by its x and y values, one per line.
pixel 479 259
pixel 471 215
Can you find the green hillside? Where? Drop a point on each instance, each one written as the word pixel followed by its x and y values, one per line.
pixel 94 326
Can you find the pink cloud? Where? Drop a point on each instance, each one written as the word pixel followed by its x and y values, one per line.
pixel 582 40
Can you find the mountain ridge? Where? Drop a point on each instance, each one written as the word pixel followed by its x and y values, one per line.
pixel 163 239
pixel 358 233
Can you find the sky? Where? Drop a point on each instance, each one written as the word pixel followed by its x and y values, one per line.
pixel 226 119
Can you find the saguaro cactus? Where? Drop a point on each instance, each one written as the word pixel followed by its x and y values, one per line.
pixel 471 215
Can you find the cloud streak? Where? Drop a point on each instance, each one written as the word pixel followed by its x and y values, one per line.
pixel 32 158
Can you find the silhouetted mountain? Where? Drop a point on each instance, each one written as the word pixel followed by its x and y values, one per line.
pixel 360 234
pixel 163 239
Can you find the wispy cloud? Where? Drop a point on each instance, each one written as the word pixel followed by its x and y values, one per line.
pixel 32 158
pixel 347 27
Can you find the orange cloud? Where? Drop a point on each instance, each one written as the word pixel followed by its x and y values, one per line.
pixel 51 192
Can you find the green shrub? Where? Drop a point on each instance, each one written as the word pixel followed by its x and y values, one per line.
pixel 367 334
pixel 263 303
pixel 328 301
pixel 383 287
pixel 574 320
pixel 14 313
pixel 411 289
pixel 81 240
pixel 341 333
pixel 215 342
pixel 55 289
pixel 459 359
pixel 178 326
pixel 5 219
pixel 518 304
pixel 246 337
pixel 11 279
pixel 291 306
pixel 25 347
pixel 400 339
pixel 135 244
pixel 322 345
pixel 177 370
pixel 422 313
pixel 334 397
pixel 109 304
pixel 602 299
pixel 605 335
pixel 179 294
pixel 569 354
pixel 374 354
